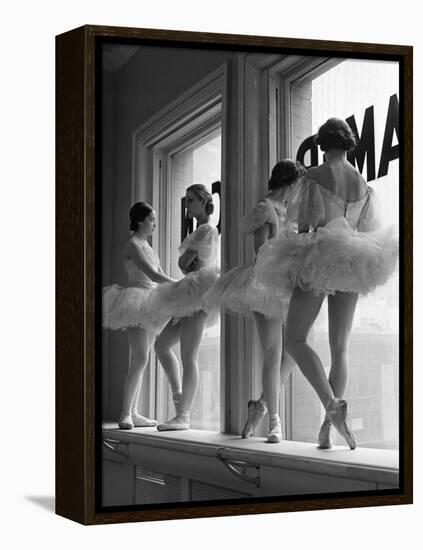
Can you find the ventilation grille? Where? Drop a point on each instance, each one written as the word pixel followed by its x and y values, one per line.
pixel 205 491
pixel 173 487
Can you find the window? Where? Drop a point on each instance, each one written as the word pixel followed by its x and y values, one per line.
pixel 288 97
pixel 181 145
pixel 198 162
pixel 366 94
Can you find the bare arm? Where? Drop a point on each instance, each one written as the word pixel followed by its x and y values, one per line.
pixel 261 235
pixel 188 261
pixel 140 259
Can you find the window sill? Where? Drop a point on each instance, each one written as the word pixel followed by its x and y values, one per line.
pixel 369 468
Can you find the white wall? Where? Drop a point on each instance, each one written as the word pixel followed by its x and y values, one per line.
pixel 27 175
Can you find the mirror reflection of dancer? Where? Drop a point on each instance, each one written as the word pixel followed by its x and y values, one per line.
pixel 183 303
pixel 234 291
pixel 345 255
pixel 128 308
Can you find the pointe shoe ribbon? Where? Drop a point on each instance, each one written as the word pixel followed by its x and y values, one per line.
pixel 324 435
pixel 337 414
pixel 177 401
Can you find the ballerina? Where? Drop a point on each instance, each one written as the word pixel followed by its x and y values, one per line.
pixel 183 303
pixel 346 254
pixel 237 291
pixel 128 308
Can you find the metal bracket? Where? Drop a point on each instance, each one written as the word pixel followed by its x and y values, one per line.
pixel 239 468
pixel 113 445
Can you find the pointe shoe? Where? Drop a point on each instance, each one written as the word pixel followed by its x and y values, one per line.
pixel 256 411
pixel 180 422
pixel 337 414
pixel 275 430
pixel 140 421
pixel 125 422
pixel 324 435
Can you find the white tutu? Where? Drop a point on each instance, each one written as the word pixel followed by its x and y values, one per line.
pixel 236 290
pixel 125 307
pixel 186 297
pixel 332 258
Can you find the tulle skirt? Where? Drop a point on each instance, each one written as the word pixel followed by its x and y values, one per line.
pixel 238 291
pixel 332 258
pixel 131 306
pixel 186 297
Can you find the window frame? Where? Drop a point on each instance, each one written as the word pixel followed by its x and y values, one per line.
pixel 190 117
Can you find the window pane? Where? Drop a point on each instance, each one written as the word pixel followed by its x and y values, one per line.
pixel 199 163
pixel 367 91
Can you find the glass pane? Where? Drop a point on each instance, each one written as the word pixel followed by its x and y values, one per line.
pixel 367 91
pixel 198 163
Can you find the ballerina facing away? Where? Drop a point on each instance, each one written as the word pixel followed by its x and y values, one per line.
pixel 236 291
pixel 340 251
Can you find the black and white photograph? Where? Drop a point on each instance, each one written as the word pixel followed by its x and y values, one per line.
pixel 250 273
pixel 211 280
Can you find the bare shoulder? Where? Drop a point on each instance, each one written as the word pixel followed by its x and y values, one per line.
pixel 129 244
pixel 132 246
pixel 362 180
pixel 357 182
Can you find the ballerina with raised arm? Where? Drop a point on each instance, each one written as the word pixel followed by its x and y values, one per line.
pixel 236 291
pixel 339 252
pixel 183 303
pixel 128 308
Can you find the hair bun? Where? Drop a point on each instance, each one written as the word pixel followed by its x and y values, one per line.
pixel 335 133
pixel 284 173
pixel 209 206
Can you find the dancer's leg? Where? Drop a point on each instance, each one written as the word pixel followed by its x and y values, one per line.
pixel 138 419
pixel 288 363
pixel 191 331
pixel 270 335
pixel 139 343
pixel 166 340
pixel 303 310
pixel 341 309
pixel 286 367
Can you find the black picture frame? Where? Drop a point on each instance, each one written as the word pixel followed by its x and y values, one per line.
pixel 78 407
